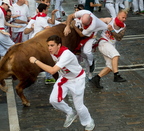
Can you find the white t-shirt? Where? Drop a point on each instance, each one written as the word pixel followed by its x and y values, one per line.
pixel 69 65
pixel 40 24
pixel 32 21
pixel 108 35
pixel 96 24
pixel 23 11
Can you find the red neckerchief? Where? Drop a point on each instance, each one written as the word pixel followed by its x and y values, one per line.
pixel 86 26
pixel 34 18
pixel 40 14
pixel 119 23
pixel 4 11
pixel 61 50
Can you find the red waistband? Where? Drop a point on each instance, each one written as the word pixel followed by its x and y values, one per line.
pixel 64 80
pixel 2 28
pixel 102 39
pixel 82 71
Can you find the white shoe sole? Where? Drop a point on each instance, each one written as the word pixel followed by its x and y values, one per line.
pixel 70 122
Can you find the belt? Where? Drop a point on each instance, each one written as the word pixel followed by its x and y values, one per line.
pixel 102 39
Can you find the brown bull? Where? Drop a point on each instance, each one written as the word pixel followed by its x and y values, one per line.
pixel 16 61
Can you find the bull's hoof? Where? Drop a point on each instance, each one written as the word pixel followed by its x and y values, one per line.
pixel 26 104
pixel 5 89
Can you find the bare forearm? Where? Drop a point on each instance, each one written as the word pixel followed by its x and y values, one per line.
pixel 69 20
pixel 10 25
pixel 28 30
pixel 20 21
pixel 45 67
pixel 78 31
pixel 52 19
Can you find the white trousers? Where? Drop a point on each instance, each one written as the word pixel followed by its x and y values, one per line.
pixel 58 6
pixel 127 5
pixel 5 44
pixel 110 7
pixel 138 4
pixel 119 3
pixel 81 2
pixel 109 51
pixel 76 87
pixel 32 7
pixel 87 51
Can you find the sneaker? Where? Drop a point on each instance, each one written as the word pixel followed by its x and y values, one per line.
pixel 91 126
pixel 69 119
pixel 50 81
pixel 92 67
pixel 96 81
pixel 118 78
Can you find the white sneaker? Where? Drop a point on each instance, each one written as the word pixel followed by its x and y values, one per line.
pixel 69 119
pixel 90 126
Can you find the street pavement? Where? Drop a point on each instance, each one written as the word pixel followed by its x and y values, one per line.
pixel 117 107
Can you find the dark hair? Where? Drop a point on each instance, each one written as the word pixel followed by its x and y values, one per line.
pixel 42 7
pixel 55 38
pixel 8 10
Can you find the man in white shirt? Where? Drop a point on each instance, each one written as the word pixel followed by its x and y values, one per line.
pixel 115 32
pixel 72 78
pixel 42 20
pixel 20 8
pixel 90 26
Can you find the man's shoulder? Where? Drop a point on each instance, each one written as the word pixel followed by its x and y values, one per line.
pixel 41 19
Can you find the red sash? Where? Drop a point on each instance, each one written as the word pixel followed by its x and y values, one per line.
pixel 96 45
pixel 64 80
pixel 19 37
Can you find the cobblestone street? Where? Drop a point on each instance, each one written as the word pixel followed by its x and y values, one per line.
pixel 117 107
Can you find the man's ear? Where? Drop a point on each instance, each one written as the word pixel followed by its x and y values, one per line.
pixel 59 45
